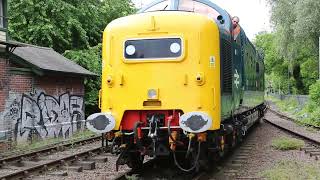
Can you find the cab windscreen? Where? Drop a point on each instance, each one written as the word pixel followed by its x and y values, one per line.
pixel 166 48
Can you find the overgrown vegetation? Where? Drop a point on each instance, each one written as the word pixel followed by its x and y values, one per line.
pixel 309 114
pixel 90 59
pixel 38 144
pixel 70 27
pixel 291 51
pixel 286 143
pixel 288 170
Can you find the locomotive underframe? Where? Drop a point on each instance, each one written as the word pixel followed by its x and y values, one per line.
pixel 155 138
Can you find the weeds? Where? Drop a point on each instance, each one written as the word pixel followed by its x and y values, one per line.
pixel 306 115
pixel 288 170
pixel 41 143
pixel 285 143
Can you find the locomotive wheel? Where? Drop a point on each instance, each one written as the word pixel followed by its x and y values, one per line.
pixel 135 160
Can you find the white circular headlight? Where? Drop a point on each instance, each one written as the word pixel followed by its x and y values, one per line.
pixel 195 122
pixel 100 122
pixel 175 47
pixel 130 50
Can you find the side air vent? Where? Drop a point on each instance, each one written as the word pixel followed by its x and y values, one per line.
pixel 226 59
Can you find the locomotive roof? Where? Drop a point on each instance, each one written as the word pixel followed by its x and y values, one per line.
pixel 174 6
pixel 225 23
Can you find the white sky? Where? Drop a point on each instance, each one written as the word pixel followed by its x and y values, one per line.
pixel 254 14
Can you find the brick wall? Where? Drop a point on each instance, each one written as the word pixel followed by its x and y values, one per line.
pixel 56 85
pixel 52 104
pixel 20 83
pixel 3 82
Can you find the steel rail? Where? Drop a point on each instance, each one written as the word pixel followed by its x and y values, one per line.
pixel 46 150
pixel 289 118
pixel 292 132
pixel 44 166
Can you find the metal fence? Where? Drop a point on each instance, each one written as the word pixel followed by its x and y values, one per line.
pixel 301 99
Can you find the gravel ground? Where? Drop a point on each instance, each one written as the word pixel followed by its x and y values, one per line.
pixel 103 171
pixel 43 159
pixel 261 156
pixel 264 157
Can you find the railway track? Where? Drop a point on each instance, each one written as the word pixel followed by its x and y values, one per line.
pixel 54 148
pixel 231 166
pixel 312 140
pixel 75 155
pixel 235 159
pixel 36 164
pixel 290 119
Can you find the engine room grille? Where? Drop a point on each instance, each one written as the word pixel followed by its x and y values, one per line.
pixel 226 56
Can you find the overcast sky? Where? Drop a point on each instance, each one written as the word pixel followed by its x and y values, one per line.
pixel 254 14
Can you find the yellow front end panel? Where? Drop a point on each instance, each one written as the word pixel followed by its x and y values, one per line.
pixel 188 83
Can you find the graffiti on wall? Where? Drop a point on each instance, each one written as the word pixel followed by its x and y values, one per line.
pixel 43 115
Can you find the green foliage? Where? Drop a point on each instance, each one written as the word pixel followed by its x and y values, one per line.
pixel 89 59
pixel 276 67
pixel 288 105
pixel 315 93
pixel 296 36
pixel 289 169
pixel 285 143
pixel 72 27
pixel 63 24
pixel 310 114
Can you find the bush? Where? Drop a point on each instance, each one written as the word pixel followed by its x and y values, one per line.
pixel 288 105
pixel 285 143
pixel 314 93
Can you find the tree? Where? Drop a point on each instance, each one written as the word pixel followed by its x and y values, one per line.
pixel 89 59
pixel 63 24
pixel 297 32
pixel 72 27
pixel 276 68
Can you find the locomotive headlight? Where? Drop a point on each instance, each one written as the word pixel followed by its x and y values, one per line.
pixel 100 122
pixel 175 47
pixel 153 94
pixel 195 122
pixel 130 50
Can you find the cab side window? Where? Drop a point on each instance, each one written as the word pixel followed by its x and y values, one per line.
pixel 194 6
pixel 164 5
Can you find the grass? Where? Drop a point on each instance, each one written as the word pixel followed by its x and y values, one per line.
pixel 306 115
pixel 41 143
pixel 285 143
pixel 292 170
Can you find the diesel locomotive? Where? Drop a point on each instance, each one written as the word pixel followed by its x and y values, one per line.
pixel 177 82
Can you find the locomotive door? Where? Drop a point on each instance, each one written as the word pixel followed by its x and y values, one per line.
pixel 237 77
